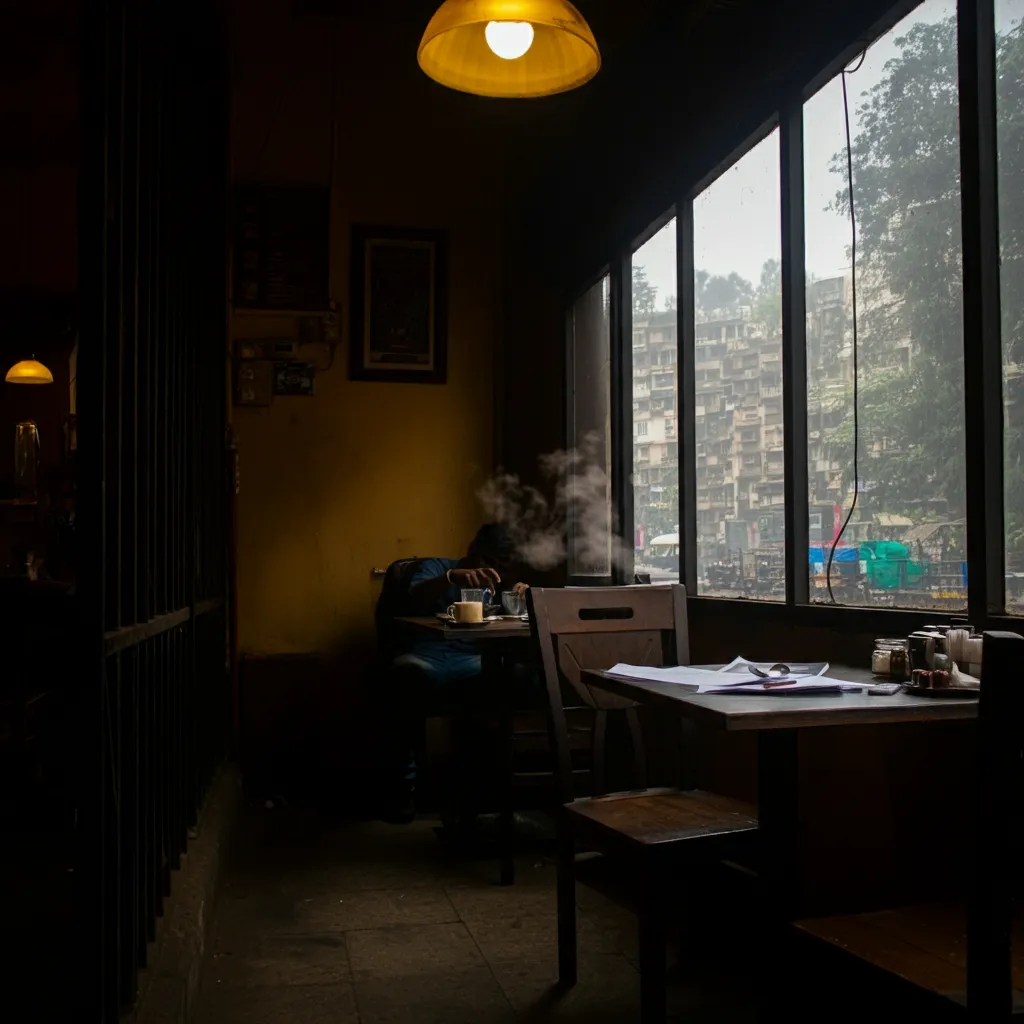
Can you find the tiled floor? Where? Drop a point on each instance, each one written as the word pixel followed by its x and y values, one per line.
pixel 320 921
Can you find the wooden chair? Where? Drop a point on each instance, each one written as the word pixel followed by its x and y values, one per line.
pixel 958 957
pixel 643 838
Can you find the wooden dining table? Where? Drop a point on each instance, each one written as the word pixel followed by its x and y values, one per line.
pixel 498 642
pixel 778 721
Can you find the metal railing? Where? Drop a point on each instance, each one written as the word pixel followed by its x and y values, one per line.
pixel 155 695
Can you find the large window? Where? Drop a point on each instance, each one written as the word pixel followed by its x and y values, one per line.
pixel 655 389
pixel 893 375
pixel 1010 137
pixel 904 509
pixel 737 404
pixel 588 473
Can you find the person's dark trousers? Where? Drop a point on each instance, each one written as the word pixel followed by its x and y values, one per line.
pixel 413 692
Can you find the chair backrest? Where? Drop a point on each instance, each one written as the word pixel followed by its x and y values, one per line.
pixel 391 603
pixel 998 827
pixel 580 628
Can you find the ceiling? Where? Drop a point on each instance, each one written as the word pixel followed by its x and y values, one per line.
pixel 614 22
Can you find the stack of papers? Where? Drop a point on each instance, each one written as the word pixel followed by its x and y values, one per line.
pixel 801 668
pixel 700 680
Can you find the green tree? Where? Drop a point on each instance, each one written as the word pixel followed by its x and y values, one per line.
pixel 645 294
pixel 768 300
pixel 715 292
pixel 906 193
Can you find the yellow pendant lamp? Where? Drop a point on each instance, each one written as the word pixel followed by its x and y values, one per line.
pixel 29 371
pixel 509 48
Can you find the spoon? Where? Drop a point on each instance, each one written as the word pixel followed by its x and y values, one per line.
pixel 776 670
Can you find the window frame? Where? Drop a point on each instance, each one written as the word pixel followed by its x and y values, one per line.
pixel 624 474
pixel 986 596
pixel 614 341
pixel 687 358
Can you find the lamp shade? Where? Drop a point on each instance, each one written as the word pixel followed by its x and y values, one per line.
pixel 456 49
pixel 29 371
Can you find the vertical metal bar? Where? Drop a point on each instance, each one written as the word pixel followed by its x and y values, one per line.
pixel 167 155
pixel 147 854
pixel 687 388
pixel 128 539
pixel 127 725
pixel 157 495
pixel 114 322
pixel 145 313
pixel 147 326
pixel 117 980
pixel 794 350
pixel 90 925
pixel 983 368
pixel 158 341
pixel 163 746
pixel 175 826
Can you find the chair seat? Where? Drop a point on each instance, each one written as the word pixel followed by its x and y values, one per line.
pixel 925 945
pixel 652 818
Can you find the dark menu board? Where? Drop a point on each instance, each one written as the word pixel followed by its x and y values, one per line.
pixel 282 247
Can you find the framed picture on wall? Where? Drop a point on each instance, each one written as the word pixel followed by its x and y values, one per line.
pixel 399 305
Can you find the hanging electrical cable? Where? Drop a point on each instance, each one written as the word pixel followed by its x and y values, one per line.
pixel 853 299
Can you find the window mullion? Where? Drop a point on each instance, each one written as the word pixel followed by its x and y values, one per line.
pixel 983 373
pixel 794 351
pixel 622 414
pixel 685 403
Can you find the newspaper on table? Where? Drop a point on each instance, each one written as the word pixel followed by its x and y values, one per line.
pixel 708 681
pixel 799 668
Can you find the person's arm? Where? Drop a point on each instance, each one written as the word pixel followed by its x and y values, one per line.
pixel 433 591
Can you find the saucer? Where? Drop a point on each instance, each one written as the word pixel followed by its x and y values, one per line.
pixel 448 620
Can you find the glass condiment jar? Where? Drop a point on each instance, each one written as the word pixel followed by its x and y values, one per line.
pixel 899 665
pixel 889 658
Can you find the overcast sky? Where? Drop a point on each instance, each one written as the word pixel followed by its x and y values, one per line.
pixel 736 219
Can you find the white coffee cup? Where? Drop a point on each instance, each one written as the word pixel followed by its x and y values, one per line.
pixel 467 611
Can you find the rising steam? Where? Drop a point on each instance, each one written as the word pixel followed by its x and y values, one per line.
pixel 578 510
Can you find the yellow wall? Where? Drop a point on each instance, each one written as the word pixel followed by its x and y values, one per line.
pixel 362 473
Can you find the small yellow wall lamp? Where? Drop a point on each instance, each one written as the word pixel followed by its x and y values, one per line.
pixel 509 48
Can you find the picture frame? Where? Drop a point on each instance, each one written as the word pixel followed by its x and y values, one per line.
pixel 398 305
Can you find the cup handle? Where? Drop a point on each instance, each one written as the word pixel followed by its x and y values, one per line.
pixel 450 611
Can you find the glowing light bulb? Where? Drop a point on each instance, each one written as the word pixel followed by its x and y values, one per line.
pixel 509 39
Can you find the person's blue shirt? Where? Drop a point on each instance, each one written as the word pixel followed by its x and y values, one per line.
pixel 444 659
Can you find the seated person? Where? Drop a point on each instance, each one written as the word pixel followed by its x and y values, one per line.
pixel 429 676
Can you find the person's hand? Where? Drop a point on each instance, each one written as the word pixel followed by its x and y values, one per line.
pixel 521 589
pixel 475 579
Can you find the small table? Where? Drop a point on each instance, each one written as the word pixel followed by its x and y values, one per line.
pixel 496 639
pixel 503 629
pixel 777 721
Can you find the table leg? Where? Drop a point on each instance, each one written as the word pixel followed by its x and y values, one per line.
pixel 778 789
pixel 778 803
pixel 506 819
pixel 496 668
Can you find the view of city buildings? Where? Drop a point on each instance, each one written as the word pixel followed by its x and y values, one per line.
pixel 739 436
pixel 738 413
